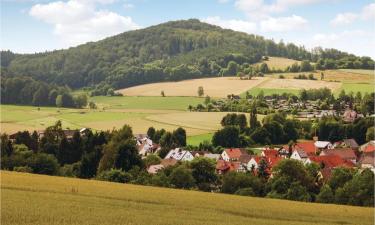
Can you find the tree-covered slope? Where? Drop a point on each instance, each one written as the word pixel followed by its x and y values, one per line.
pixel 171 51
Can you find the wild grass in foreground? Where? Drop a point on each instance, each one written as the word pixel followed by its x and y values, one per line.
pixel 44 200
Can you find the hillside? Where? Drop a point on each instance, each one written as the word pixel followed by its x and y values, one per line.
pixel 171 51
pixel 38 199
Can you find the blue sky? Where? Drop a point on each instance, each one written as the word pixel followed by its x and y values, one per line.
pixel 41 25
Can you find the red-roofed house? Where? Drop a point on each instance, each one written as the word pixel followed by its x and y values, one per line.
pixel 269 152
pixel 253 164
pixel 308 147
pixel 368 147
pixel 233 154
pixel 223 167
pixel 329 163
pixel 344 153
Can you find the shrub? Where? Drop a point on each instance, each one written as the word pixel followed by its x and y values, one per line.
pixel 114 175
pixel 245 192
pixel 23 169
pixel 43 164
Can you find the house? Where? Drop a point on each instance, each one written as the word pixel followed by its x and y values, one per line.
pixel 308 147
pixel 168 162
pixel 328 163
pixel 344 153
pixel 269 152
pixel 323 145
pixel 223 166
pixel 254 162
pixel 300 155
pixel 367 160
pixel 179 155
pixel 350 115
pixel 198 153
pixel 368 147
pixel 145 145
pixel 346 143
pixel 154 169
pixel 215 157
pixel 233 154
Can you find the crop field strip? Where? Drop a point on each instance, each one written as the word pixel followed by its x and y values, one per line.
pixel 38 199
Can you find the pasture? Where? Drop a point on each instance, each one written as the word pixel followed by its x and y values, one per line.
pixel 46 200
pixel 213 87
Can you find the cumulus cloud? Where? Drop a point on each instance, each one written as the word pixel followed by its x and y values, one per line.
pixel 282 24
pixel 237 25
pixel 368 11
pixel 78 21
pixel 363 44
pixel 259 9
pixel 344 19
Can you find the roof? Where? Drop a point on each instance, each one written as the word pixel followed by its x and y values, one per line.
pixel 270 152
pixel 351 143
pixel 345 153
pixel 235 153
pixel 177 154
pixel 368 158
pixel 308 147
pixel 322 144
pixel 331 161
pixel 212 156
pixel 227 166
pixel 168 162
pixel 245 158
pixel 301 153
pixel 200 153
pixel 153 169
pixel 369 147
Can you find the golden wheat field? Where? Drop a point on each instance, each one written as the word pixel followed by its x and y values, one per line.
pixel 213 87
pixel 45 200
pixel 278 62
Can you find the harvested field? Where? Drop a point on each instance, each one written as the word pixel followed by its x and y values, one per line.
pixel 299 84
pixel 213 87
pixel 278 62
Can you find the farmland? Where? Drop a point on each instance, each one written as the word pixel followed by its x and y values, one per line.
pixel 214 87
pixel 278 62
pixel 38 199
pixel 113 112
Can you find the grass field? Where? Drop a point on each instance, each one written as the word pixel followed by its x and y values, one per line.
pixel 213 87
pixel 197 139
pixel 45 200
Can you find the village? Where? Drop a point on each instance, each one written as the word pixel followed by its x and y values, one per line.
pixel 346 153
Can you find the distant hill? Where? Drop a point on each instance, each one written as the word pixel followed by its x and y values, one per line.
pixel 170 51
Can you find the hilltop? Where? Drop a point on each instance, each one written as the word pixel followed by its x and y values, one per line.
pixel 171 51
pixel 39 199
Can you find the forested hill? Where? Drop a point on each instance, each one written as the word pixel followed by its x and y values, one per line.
pixel 171 51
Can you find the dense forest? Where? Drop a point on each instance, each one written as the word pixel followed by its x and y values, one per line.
pixel 171 51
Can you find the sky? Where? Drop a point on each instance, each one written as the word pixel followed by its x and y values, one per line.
pixel 29 26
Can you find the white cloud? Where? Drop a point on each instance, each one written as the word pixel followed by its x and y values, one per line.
pixel 344 19
pixel 128 6
pixel 78 21
pixel 237 25
pixel 223 1
pixel 368 12
pixel 282 24
pixel 363 44
pixel 259 9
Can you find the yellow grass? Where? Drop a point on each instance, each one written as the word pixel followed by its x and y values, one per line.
pixel 299 84
pixel 213 87
pixel 278 62
pixel 44 200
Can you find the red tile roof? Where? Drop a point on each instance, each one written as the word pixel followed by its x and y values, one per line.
pixel 369 148
pixel 308 147
pixel 331 161
pixel 225 166
pixel 235 153
pixel 344 153
pixel 270 152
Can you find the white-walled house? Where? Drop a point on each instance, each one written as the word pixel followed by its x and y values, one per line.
pixel 179 155
pixel 232 154
pixel 323 145
pixel 299 155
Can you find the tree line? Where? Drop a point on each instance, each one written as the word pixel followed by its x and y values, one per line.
pixel 27 91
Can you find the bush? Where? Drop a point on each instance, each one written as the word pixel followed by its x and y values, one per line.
pixel 42 163
pixel 245 192
pixel 23 169
pixel 114 175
